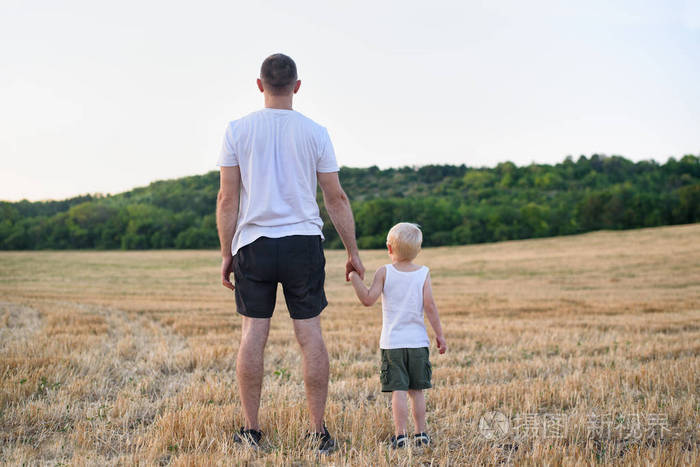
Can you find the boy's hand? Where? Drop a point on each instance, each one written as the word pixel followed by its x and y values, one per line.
pixel 441 344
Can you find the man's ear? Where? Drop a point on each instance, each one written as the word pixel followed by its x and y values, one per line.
pixel 297 86
pixel 260 85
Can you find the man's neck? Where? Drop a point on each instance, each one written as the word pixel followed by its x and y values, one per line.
pixel 278 102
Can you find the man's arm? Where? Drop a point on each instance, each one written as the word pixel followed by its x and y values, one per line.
pixel 369 296
pixel 431 312
pixel 227 217
pixel 340 212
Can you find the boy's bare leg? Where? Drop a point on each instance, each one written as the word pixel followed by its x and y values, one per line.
pixel 249 367
pixel 418 403
pixel 315 363
pixel 399 408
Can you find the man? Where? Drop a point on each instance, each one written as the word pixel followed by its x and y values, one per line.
pixel 270 232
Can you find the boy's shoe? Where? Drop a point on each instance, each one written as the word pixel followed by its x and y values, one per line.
pixel 421 439
pixel 398 442
pixel 249 437
pixel 322 442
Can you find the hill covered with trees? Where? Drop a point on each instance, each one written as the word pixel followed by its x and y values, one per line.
pixel 453 204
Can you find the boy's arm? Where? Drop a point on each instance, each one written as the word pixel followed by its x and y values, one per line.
pixel 368 296
pixel 431 312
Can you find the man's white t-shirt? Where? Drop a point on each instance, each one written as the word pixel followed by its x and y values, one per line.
pixel 279 152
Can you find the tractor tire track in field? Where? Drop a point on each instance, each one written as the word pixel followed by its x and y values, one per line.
pixel 18 324
pixel 98 374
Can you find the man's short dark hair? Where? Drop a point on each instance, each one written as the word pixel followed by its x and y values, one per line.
pixel 278 74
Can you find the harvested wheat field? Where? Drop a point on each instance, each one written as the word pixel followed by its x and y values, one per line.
pixel 570 350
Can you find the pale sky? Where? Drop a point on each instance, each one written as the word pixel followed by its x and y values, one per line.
pixel 100 96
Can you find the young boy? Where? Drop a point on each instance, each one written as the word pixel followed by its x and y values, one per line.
pixel 406 293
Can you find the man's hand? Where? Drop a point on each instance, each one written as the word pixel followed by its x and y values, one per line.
pixel 441 344
pixel 354 264
pixel 226 270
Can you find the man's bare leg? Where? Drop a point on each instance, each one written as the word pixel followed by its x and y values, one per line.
pixel 315 364
pixel 249 367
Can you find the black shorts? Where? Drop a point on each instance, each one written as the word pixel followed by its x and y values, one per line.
pixel 296 261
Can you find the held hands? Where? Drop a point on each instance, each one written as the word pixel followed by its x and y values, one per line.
pixel 226 270
pixel 441 344
pixel 354 264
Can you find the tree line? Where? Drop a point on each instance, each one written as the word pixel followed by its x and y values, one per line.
pixel 453 204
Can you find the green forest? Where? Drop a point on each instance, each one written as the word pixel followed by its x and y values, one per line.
pixel 454 205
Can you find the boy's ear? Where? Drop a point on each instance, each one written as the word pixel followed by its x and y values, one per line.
pixel 389 248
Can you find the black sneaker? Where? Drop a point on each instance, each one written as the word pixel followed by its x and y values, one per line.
pixel 421 439
pixel 322 442
pixel 398 442
pixel 249 437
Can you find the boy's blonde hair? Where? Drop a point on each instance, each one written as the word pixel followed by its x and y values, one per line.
pixel 405 240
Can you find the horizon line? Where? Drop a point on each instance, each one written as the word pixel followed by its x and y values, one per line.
pixel 98 194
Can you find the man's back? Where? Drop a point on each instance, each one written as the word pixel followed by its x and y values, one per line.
pixel 278 152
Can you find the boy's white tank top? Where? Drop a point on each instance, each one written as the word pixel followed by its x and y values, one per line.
pixel 402 309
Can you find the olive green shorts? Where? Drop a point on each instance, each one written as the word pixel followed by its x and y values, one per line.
pixel 404 369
